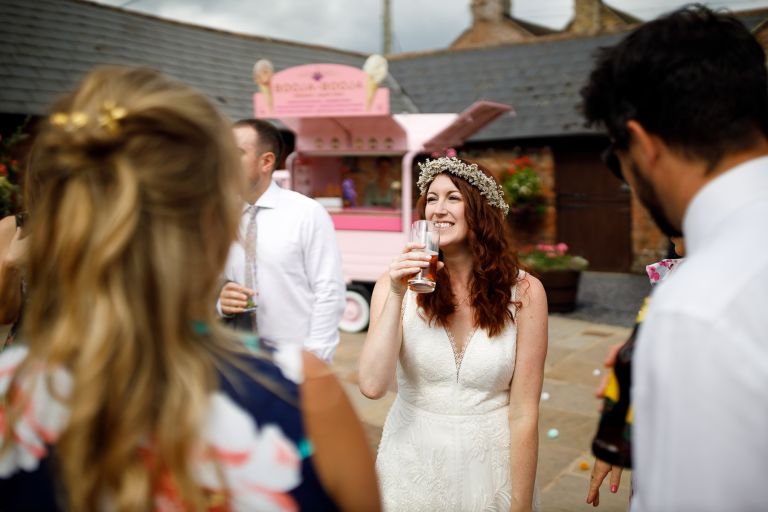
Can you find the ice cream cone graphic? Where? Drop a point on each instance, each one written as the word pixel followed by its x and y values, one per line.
pixel 262 76
pixel 371 87
pixel 376 69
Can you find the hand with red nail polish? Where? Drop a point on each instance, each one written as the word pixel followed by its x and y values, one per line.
pixel 600 470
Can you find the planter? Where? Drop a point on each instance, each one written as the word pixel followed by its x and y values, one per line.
pixel 562 287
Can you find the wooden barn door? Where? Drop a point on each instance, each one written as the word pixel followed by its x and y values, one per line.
pixel 593 207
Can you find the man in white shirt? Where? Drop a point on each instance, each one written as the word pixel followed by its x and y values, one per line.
pixel 296 280
pixel 684 100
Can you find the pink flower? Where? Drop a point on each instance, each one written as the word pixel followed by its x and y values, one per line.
pixel 562 248
pixel 450 152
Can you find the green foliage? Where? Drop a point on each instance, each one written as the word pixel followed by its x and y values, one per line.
pixel 544 257
pixel 10 172
pixel 523 188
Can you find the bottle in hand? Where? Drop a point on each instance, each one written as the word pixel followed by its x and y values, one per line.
pixel 613 441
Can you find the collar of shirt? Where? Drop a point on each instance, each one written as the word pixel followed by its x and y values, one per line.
pixel 720 198
pixel 268 199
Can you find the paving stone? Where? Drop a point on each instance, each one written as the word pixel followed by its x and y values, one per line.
pixel 599 349
pixel 560 328
pixel 553 462
pixel 574 341
pixel 569 494
pixel 570 397
pixel 373 412
pixel 575 430
pixel 555 355
pixel 576 348
pixel 577 370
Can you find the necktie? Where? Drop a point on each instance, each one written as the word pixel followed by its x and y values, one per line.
pixel 251 280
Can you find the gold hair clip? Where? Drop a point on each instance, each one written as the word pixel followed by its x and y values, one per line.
pixel 110 116
pixel 69 122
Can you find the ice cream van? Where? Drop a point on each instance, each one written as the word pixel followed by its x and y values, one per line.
pixel 359 160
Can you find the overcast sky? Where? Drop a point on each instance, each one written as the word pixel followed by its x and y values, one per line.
pixel 356 24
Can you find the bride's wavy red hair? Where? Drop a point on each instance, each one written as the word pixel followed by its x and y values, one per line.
pixel 495 267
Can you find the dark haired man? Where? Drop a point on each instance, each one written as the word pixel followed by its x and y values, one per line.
pixel 286 261
pixel 684 100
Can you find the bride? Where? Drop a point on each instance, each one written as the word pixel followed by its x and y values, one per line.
pixel 469 358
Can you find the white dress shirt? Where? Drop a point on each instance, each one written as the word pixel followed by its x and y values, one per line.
pixel 301 290
pixel 700 369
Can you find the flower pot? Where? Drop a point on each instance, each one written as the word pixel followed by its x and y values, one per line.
pixel 562 287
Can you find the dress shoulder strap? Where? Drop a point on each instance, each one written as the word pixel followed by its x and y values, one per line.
pixel 520 276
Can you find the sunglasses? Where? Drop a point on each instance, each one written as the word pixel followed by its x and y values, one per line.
pixel 611 160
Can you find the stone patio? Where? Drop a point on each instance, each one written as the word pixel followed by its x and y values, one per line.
pixel 576 349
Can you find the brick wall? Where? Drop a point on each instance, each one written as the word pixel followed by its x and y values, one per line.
pixel 648 243
pixel 498 161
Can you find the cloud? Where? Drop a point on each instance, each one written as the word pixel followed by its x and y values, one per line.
pixel 348 24
pixel 357 24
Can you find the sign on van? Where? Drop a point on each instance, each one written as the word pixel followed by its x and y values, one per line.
pixel 319 90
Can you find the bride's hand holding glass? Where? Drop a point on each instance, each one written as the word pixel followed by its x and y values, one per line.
pixel 407 264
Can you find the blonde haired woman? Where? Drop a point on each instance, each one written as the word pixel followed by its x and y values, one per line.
pixel 127 394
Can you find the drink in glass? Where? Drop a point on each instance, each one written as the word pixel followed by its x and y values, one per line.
pixel 425 233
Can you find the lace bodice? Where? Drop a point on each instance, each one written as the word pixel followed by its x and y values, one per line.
pixel 433 376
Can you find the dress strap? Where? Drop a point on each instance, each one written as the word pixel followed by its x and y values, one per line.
pixel 520 276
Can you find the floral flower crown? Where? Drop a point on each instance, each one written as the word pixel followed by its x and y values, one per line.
pixel 486 185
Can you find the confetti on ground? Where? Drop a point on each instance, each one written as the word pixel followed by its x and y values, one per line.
pixel 596 372
pixel 583 465
pixel 544 395
pixel 553 433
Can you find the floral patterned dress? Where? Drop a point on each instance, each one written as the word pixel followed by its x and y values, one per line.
pixel 13 332
pixel 257 440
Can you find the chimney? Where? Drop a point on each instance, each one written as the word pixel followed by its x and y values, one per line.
pixel 492 25
pixel 586 17
pixel 490 11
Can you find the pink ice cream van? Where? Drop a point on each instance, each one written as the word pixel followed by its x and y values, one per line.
pixel 358 160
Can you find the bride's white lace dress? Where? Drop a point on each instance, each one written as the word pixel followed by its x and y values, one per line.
pixel 445 444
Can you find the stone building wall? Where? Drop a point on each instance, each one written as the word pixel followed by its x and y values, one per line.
pixel 498 161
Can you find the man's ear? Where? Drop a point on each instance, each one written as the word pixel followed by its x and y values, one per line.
pixel 644 147
pixel 268 161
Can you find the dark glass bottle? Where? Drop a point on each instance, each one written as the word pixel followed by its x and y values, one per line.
pixel 613 441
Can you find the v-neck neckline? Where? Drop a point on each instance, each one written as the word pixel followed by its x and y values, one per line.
pixel 458 357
